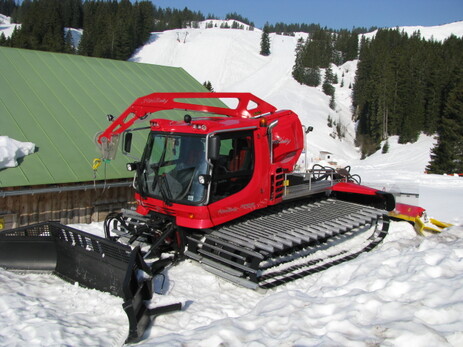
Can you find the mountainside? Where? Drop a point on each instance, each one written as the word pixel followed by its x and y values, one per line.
pixel 436 33
pixel 230 60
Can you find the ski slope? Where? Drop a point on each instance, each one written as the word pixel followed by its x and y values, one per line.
pixel 230 60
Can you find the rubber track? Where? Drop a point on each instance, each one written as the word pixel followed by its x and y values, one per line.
pixel 311 267
pixel 246 252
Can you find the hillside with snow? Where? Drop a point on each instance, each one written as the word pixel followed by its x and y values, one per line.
pixel 230 60
pixel 435 33
pixel 405 292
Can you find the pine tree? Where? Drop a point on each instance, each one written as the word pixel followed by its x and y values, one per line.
pixel 385 147
pixel 208 86
pixel 327 86
pixel 7 7
pixel 330 77
pixel 265 42
pixel 72 13
pixel 401 85
pixel 68 45
pixel 239 18
pixel 3 40
pixel 42 26
pixel 447 156
pixel 318 50
pixel 332 102
pixel 330 121
pixel 312 77
pixel 298 68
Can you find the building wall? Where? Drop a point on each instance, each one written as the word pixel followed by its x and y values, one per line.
pixel 67 207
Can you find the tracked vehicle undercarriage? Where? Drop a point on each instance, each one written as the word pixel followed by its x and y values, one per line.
pixel 288 241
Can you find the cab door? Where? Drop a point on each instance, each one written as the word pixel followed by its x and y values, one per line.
pixel 235 189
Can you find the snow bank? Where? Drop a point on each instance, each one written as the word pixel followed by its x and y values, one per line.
pixel 402 169
pixel 412 157
pixel 11 150
pixel 407 290
pixel 43 310
pixel 385 297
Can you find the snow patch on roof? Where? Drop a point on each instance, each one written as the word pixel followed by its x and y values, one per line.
pixel 11 150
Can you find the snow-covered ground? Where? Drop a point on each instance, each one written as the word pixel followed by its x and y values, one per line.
pixel 405 292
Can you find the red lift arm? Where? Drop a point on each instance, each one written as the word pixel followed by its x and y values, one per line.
pixel 248 106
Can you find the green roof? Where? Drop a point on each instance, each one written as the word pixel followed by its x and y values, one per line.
pixel 60 101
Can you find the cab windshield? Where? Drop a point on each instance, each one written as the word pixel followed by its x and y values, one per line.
pixel 171 166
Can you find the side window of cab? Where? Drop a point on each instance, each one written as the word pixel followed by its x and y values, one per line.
pixel 234 168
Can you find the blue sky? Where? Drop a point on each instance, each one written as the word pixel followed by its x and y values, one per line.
pixel 334 14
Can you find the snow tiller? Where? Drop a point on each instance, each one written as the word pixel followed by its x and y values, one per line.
pixel 219 188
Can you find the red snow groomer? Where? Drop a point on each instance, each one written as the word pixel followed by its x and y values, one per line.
pixel 219 188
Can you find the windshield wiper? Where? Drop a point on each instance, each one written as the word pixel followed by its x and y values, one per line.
pixel 165 190
pixel 160 180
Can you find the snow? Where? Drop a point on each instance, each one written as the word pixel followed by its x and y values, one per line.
pixel 403 168
pixel 436 33
pixel 205 52
pixel 6 27
pixel 407 291
pixel 11 150
pixel 76 35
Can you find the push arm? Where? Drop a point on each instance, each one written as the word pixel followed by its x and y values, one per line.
pixel 248 106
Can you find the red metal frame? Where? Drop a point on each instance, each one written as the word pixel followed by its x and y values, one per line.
pixel 248 106
pixel 349 187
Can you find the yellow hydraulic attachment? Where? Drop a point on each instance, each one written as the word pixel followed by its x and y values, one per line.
pixel 417 216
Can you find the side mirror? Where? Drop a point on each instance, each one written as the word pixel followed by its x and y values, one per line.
pixel 127 142
pixel 213 150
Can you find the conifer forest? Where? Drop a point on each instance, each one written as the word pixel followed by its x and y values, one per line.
pixel 405 85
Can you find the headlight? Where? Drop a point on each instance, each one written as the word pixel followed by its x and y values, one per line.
pixel 131 166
